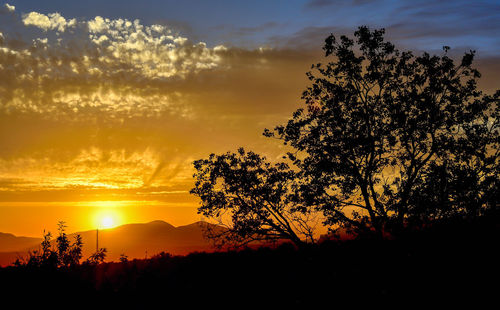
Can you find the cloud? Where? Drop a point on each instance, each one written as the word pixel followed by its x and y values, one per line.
pixel 320 4
pixel 103 64
pixel 113 107
pixel 96 108
pixel 52 21
pixel 418 25
pixel 247 31
pixel 92 104
pixel 9 7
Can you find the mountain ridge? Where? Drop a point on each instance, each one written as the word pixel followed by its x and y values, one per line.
pixel 135 240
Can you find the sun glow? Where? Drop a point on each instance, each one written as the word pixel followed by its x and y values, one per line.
pixel 107 222
pixel 107 219
pixel 107 215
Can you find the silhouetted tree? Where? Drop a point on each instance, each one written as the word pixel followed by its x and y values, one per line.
pixel 123 258
pixel 68 254
pixel 65 254
pixel 62 241
pixel 45 257
pixel 75 251
pixel 250 197
pixel 97 258
pixel 388 139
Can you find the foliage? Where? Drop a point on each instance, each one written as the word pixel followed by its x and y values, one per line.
pixel 97 258
pixel 455 260
pixel 389 139
pixel 251 198
pixel 65 254
pixel 123 258
pixel 60 253
pixel 68 254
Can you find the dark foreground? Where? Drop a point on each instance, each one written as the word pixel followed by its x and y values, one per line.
pixel 455 263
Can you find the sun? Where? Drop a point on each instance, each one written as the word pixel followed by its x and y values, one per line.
pixel 107 219
pixel 107 222
pixel 106 216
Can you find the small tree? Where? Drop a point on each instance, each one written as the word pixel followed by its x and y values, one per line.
pixel 250 197
pixel 65 254
pixel 45 257
pixel 388 139
pixel 123 258
pixel 68 254
pixel 97 258
pixel 75 252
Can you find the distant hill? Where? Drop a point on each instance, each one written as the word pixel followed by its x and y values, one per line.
pixel 133 240
pixel 11 247
pixel 11 243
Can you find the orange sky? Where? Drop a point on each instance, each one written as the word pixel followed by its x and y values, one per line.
pixel 30 219
pixel 97 110
pixel 114 110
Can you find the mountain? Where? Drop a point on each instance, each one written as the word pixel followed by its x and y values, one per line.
pixel 11 243
pixel 11 247
pixel 132 240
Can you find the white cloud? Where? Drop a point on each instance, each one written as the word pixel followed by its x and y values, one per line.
pixel 116 65
pixel 154 50
pixel 53 21
pixel 98 24
pixel 9 7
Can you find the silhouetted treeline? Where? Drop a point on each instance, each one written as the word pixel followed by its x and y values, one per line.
pixel 59 253
pixel 455 261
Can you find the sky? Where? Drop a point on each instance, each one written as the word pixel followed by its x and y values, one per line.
pixel 104 105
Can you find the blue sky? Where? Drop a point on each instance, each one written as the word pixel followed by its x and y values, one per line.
pixel 418 24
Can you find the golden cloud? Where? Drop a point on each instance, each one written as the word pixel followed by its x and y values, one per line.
pixel 60 65
pixel 116 108
pixel 52 21
pixel 113 108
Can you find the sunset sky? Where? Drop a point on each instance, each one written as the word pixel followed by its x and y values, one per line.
pixel 105 104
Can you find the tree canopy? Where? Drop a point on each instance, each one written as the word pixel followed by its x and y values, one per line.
pixel 386 141
pixel 251 198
